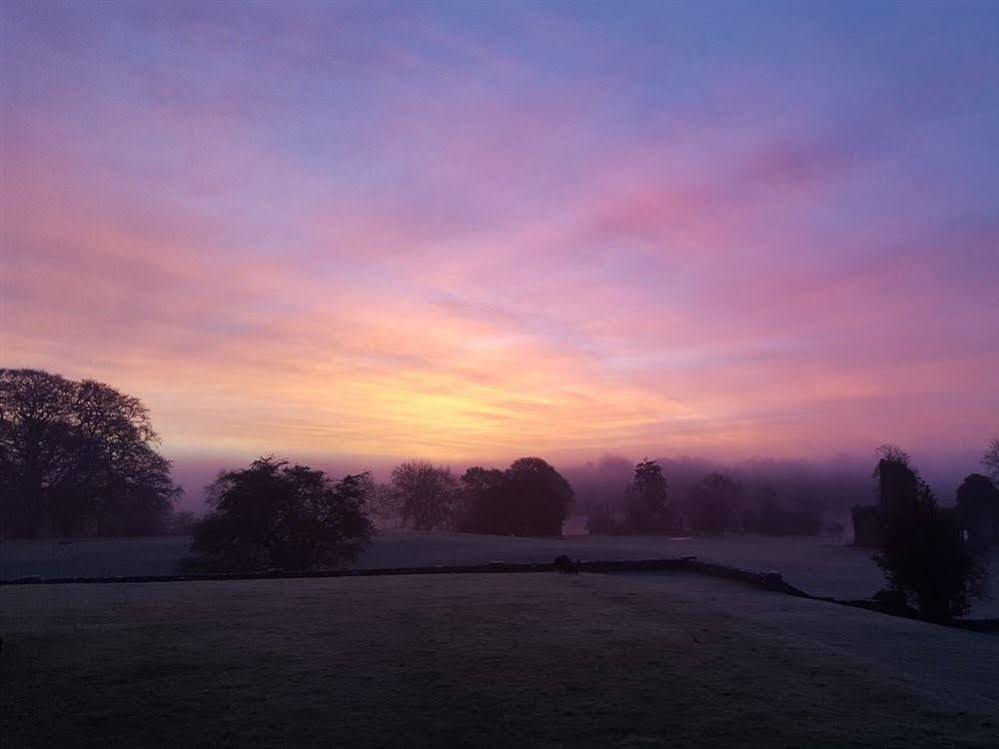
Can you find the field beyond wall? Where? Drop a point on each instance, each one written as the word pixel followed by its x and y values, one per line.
pixel 819 566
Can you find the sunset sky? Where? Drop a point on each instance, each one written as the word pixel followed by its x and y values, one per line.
pixel 478 230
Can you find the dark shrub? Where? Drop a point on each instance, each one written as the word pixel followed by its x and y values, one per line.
pixel 275 515
pixel 922 553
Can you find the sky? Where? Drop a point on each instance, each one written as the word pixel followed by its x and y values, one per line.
pixel 470 231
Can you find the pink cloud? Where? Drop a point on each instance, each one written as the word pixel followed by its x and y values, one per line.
pixel 470 271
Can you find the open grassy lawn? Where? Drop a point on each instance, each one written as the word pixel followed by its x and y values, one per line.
pixel 482 660
pixel 819 566
pixel 92 557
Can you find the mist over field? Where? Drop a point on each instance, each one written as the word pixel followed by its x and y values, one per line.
pixel 833 484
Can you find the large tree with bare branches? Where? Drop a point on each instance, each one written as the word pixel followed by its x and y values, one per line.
pixel 77 456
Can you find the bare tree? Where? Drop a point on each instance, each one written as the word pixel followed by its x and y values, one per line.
pixel 991 460
pixel 427 494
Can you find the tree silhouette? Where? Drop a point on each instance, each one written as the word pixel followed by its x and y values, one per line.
pixel 711 503
pixel 898 484
pixel 921 552
pixel 771 518
pixel 602 520
pixel 77 456
pixel 647 508
pixel 479 496
pixel 530 498
pixel 273 514
pixel 978 509
pixel 427 494
pixel 991 460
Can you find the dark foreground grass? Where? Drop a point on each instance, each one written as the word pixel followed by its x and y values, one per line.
pixel 492 660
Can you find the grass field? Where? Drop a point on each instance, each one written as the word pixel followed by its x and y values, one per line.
pixel 482 660
pixel 818 566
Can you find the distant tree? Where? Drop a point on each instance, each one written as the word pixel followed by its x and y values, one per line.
pixel 383 501
pixel 978 509
pixel 991 460
pixel 480 500
pixel 273 514
pixel 601 482
pixel 530 498
pixel 181 523
pixel 602 520
pixel 892 453
pixel 921 550
pixel 647 509
pixel 539 497
pixel 767 514
pixel 78 456
pixel 897 482
pixel 477 480
pixel 427 494
pixel 711 503
pixel 773 519
pixel 806 520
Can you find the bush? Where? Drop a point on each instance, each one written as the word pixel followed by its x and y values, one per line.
pixel 275 515
pixel 926 561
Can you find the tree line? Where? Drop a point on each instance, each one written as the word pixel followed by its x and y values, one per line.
pixel 80 457
pixel 529 498
pixel 713 504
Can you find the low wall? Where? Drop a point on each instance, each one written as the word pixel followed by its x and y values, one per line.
pixel 772 581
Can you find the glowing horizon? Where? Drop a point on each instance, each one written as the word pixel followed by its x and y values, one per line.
pixel 466 233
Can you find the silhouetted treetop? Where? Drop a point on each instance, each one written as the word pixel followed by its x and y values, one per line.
pixel 427 494
pixel 78 456
pixel 530 498
pixel 274 514
pixel 646 500
pixel 991 460
pixel 922 553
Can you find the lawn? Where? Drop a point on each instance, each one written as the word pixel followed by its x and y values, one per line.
pixel 481 660
pixel 819 566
